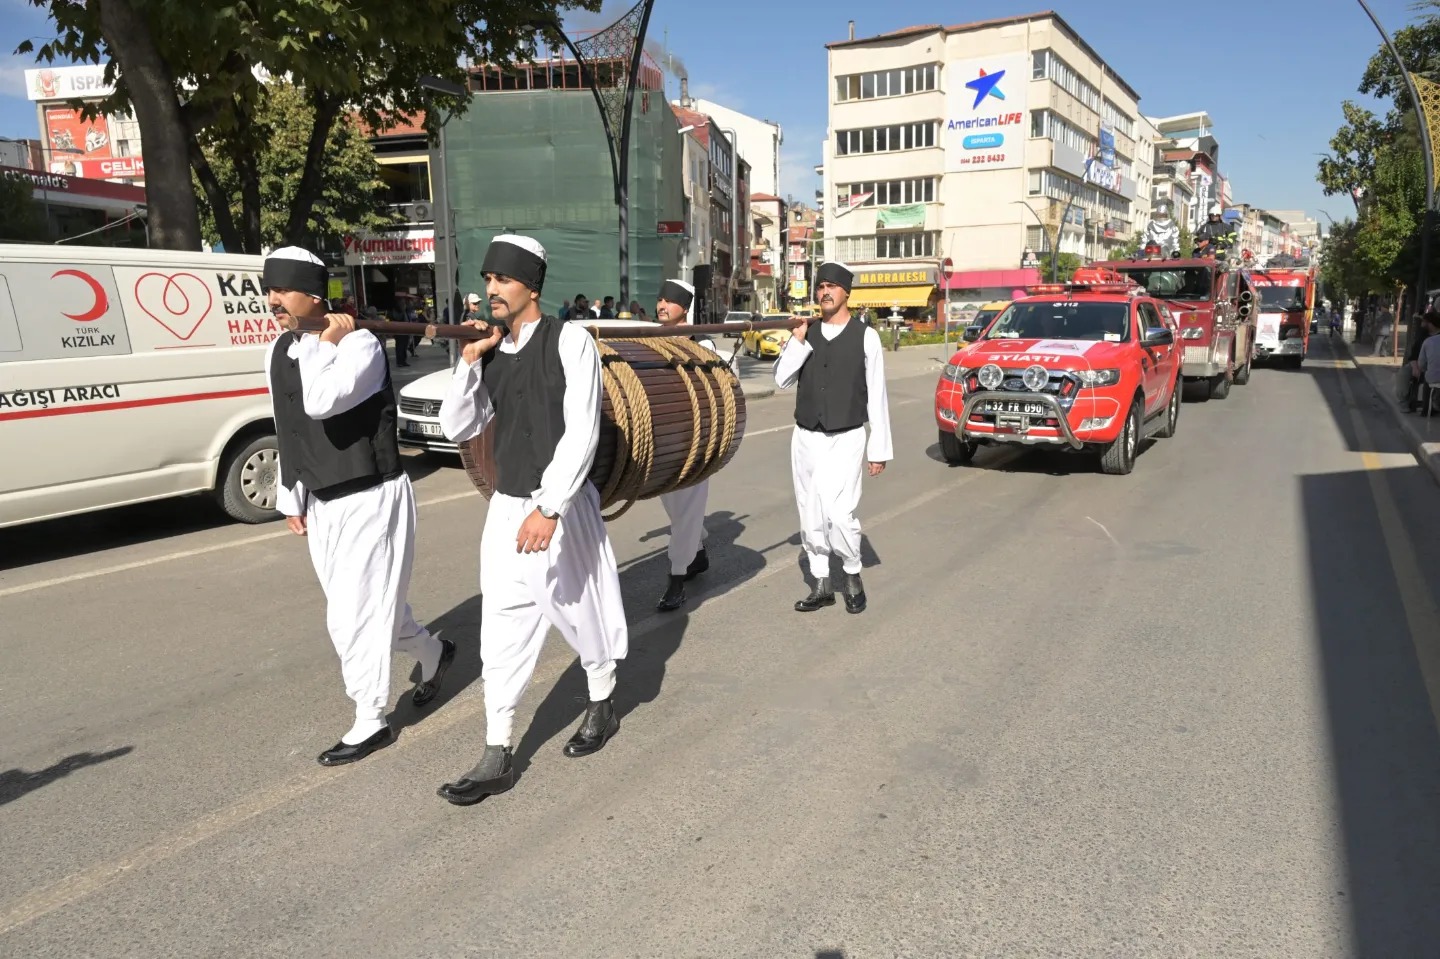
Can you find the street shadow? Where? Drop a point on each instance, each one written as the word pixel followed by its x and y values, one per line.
pixel 829 954
pixel 461 626
pixel 1384 439
pixel 91 533
pixel 15 783
pixel 421 465
pixel 1384 745
pixel 641 675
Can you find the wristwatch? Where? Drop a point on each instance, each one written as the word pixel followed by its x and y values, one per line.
pixel 547 513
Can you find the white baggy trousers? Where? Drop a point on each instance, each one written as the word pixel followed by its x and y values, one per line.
pixel 686 509
pixel 363 546
pixel 827 470
pixel 574 586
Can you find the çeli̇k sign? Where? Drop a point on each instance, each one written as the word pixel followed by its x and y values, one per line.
pixel 985 116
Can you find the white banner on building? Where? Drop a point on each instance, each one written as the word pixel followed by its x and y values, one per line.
pixel 389 248
pixel 985 121
pixel 86 82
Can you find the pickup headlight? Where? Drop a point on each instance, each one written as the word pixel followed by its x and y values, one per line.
pixel 954 372
pixel 1098 377
pixel 1193 333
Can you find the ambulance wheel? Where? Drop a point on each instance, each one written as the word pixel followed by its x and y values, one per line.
pixel 956 451
pixel 249 485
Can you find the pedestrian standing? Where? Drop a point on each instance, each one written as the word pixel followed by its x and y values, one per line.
pixel 685 507
pixel 545 555
pixel 840 386
pixel 342 487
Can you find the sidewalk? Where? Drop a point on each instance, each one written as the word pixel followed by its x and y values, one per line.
pixel 1422 434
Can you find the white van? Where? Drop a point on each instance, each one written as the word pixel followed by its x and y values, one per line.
pixel 133 375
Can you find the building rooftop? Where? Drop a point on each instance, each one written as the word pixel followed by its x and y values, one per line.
pixel 985 24
pixel 696 119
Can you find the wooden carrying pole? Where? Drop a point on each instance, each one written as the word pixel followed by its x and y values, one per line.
pixel 456 332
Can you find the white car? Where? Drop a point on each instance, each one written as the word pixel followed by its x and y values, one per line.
pixel 419 413
pixel 418 418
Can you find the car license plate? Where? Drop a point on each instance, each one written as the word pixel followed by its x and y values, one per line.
pixel 1014 406
pixel 424 429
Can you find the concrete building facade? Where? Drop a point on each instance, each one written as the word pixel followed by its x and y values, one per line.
pixel 971 143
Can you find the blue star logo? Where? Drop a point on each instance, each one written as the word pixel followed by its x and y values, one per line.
pixel 985 86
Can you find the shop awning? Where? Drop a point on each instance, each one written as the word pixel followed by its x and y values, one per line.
pixel 891 296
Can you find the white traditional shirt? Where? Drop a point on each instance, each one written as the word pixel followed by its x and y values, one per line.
pixel 467 410
pixel 334 379
pixel 877 408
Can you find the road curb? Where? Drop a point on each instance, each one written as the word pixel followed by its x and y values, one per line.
pixel 1426 452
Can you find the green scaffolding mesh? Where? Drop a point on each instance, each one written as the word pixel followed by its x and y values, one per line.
pixel 536 163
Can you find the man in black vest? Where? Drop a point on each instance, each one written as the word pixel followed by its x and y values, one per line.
pixel 685 507
pixel 342 487
pixel 545 556
pixel 841 378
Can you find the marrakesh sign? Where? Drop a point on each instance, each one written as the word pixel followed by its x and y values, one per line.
pixel 389 248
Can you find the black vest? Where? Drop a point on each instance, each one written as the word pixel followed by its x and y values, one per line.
pixel 527 389
pixel 832 396
pixel 342 454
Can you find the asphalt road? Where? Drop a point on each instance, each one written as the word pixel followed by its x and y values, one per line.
pixel 1187 712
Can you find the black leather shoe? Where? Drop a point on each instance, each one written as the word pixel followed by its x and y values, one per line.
pixel 492 774
pixel 342 752
pixel 599 724
pixel 428 690
pixel 854 591
pixel 821 595
pixel 674 596
pixel 698 565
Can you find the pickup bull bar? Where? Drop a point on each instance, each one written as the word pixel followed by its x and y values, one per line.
pixel 1028 397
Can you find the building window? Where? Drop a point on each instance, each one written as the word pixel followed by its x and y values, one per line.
pixel 1035 183
pixel 893 246
pixel 1039 64
pixel 888 192
pixel 1044 123
pixel 887 83
pixel 1037 239
pixel 1118 120
pixel 888 139
pixel 1065 78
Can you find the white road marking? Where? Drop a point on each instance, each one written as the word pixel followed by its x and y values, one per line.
pixel 1103 530
pixel 183 554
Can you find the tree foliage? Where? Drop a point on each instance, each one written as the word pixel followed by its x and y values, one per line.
pixel 192 67
pixel 351 191
pixel 21 218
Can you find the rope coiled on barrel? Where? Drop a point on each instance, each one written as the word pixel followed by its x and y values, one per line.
pixel 630 407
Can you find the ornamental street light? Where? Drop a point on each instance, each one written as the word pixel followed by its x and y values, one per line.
pixel 622 41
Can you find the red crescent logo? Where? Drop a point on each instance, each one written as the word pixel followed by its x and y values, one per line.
pixel 102 302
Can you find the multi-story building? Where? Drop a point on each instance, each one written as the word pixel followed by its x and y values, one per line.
pixel 759 141
pixel 767 251
pixel 1188 139
pixel 973 143
pixel 694 244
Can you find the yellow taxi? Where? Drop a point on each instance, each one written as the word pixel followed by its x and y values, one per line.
pixel 766 344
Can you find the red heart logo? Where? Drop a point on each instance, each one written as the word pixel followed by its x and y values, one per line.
pixel 165 295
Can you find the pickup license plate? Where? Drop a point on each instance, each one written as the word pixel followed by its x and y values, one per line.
pixel 1014 406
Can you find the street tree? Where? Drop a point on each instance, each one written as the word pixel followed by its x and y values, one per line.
pixel 1350 166
pixel 20 216
pixel 185 66
pixel 258 187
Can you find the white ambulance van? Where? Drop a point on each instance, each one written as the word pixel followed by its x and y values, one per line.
pixel 133 375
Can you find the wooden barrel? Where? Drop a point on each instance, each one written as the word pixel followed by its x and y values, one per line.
pixel 672 415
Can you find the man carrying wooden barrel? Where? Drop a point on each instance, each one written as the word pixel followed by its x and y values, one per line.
pixel 545 555
pixel 685 507
pixel 841 387
pixel 342 487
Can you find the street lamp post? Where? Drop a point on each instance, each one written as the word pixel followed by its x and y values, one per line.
pixel 1053 239
pixel 626 35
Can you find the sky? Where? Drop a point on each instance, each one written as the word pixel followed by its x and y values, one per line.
pixel 1271 73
